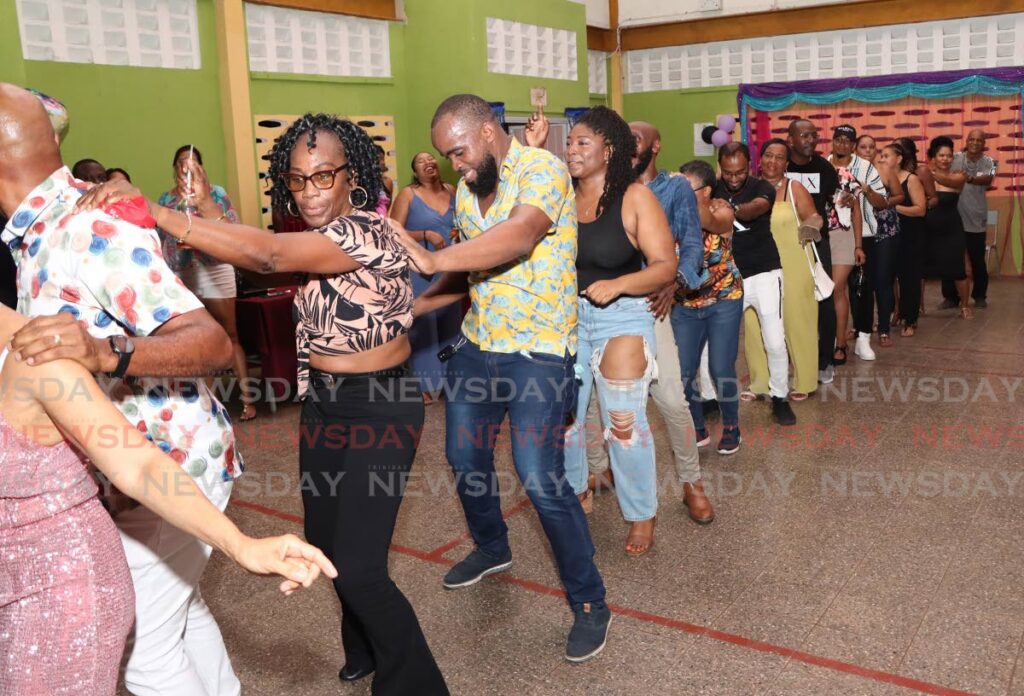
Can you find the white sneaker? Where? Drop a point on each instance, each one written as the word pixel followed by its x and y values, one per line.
pixel 827 375
pixel 863 347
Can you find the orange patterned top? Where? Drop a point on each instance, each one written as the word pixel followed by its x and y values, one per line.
pixel 356 311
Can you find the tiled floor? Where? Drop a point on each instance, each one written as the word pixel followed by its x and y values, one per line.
pixel 875 548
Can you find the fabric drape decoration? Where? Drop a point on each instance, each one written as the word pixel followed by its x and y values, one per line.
pixel 917 105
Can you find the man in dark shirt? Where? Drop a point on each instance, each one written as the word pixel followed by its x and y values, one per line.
pixel 821 180
pixel 757 258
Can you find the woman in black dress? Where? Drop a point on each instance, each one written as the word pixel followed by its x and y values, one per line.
pixel 911 247
pixel 945 240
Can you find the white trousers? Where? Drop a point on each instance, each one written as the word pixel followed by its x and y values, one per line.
pixel 762 294
pixel 176 648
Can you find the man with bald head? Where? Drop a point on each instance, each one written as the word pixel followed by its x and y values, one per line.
pixel 515 210
pixel 99 292
pixel 58 116
pixel 821 181
pixel 973 206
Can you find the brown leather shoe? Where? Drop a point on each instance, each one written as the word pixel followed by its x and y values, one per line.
pixel 698 504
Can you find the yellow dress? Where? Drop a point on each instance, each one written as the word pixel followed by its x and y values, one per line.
pixel 799 309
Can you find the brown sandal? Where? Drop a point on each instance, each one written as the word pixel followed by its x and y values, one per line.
pixel 641 542
pixel 908 330
pixel 884 340
pixel 248 412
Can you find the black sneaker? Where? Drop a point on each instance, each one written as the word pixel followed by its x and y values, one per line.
pixel 730 440
pixel 781 411
pixel 473 568
pixel 981 303
pixel 949 304
pixel 589 632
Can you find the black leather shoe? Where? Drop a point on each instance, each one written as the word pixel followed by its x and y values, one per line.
pixel 351 674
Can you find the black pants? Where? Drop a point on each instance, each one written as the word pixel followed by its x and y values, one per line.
pixel 979 270
pixel 908 268
pixel 826 311
pixel 879 274
pixel 357 444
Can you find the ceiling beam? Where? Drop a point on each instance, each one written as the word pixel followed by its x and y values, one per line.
pixel 371 9
pixel 600 39
pixel 850 15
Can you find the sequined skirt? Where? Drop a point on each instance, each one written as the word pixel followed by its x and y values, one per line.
pixel 66 604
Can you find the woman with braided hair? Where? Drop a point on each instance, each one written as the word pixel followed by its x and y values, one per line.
pixel 625 252
pixel 354 314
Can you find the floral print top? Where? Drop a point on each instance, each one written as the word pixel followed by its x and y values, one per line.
pixel 109 274
pixel 178 257
pixel 355 311
pixel 722 280
pixel 529 303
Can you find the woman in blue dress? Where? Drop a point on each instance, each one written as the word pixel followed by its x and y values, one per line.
pixel 426 208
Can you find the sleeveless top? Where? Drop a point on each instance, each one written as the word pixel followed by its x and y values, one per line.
pixel 423 217
pixel 604 251
pixel 38 481
pixel 907 222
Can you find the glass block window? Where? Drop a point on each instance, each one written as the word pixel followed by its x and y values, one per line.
pixel 515 48
pixel 316 43
pixel 597 72
pixel 147 33
pixel 983 42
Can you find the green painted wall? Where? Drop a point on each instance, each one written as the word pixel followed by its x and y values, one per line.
pixel 136 117
pixel 129 117
pixel 674 113
pixel 446 45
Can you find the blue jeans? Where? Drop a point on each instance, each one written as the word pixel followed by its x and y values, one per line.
pixel 538 392
pixel 632 460
pixel 718 326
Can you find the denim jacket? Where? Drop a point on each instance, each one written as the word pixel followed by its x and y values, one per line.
pixel 680 205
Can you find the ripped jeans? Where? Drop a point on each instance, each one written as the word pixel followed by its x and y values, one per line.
pixel 623 405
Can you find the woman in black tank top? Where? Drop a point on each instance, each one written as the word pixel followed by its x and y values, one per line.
pixel 621 227
pixel 911 249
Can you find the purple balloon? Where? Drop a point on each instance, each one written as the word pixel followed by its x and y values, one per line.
pixel 727 123
pixel 720 138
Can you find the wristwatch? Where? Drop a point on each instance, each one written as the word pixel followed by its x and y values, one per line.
pixel 124 349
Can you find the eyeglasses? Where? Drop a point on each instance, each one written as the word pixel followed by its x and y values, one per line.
pixel 321 180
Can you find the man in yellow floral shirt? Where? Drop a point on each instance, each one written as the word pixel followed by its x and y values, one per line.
pixel 516 214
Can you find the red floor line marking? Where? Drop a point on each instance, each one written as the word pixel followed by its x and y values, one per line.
pixel 676 624
pixel 799 656
pixel 446 547
pixel 297 519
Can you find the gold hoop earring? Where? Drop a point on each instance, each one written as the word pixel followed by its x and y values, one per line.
pixel 290 208
pixel 361 197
